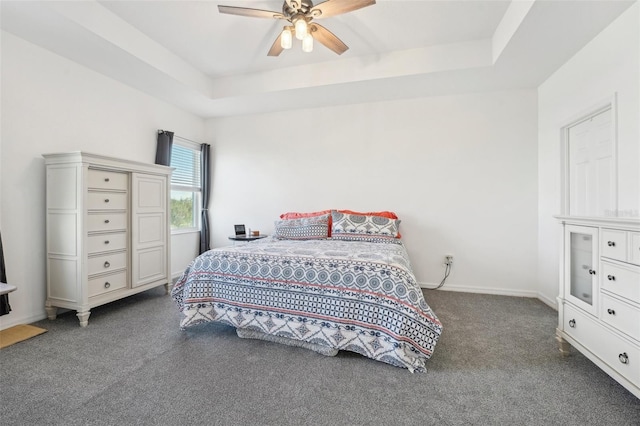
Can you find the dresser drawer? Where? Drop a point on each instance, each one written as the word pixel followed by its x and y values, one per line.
pixel 101 179
pixel 106 200
pixel 621 316
pixel 106 283
pixel 106 222
pixel 107 262
pixel 623 281
pixel 106 242
pixel 620 354
pixel 634 246
pixel 613 244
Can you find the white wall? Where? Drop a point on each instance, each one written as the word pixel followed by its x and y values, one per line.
pixel 607 65
pixel 460 172
pixel 50 104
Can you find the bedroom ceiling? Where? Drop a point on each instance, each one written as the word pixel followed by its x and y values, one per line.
pixel 212 64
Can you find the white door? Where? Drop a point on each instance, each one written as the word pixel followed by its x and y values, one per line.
pixel 592 166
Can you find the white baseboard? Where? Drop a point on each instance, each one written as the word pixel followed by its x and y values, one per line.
pixel 483 290
pixel 552 303
pixel 10 320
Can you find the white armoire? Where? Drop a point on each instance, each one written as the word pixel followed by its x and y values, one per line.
pixel 108 232
pixel 599 294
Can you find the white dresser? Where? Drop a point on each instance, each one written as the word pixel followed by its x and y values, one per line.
pixel 108 232
pixel 599 301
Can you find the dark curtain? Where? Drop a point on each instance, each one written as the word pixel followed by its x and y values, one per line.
pixel 204 230
pixel 163 149
pixel 4 299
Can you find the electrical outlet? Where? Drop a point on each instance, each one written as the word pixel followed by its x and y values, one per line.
pixel 448 259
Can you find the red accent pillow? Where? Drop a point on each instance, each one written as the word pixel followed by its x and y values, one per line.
pixel 296 215
pixel 390 215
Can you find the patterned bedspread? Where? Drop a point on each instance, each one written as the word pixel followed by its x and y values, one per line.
pixel 354 296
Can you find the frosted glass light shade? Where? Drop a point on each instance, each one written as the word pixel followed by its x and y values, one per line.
pixel 307 43
pixel 301 28
pixel 286 39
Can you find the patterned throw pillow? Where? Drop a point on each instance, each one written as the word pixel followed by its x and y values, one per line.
pixel 305 228
pixel 355 227
pixel 390 215
pixel 298 215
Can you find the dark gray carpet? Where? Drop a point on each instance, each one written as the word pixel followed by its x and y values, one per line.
pixel 497 363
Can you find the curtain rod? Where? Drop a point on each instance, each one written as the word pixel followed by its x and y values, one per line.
pixel 185 139
pixel 180 137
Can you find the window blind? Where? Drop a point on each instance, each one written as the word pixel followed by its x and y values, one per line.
pixel 186 162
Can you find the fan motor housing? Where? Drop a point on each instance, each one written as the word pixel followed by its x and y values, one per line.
pixel 297 7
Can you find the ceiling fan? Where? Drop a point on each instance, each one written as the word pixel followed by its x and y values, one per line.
pixel 301 13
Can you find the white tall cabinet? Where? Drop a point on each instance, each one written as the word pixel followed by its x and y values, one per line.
pixel 108 232
pixel 599 300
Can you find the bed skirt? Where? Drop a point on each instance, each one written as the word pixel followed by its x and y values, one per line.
pixel 255 334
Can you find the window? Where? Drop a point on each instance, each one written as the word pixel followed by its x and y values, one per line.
pixel 185 186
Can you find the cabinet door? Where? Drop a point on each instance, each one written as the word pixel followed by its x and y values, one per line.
pixel 581 262
pixel 149 229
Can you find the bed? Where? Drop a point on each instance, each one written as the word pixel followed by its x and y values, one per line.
pixel 308 284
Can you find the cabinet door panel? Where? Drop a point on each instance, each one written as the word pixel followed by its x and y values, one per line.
pixel 150 266
pixel 150 194
pixel 581 265
pixel 149 230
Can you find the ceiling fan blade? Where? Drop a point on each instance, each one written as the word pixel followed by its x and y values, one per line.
pixel 252 13
pixel 327 38
pixel 337 7
pixel 276 47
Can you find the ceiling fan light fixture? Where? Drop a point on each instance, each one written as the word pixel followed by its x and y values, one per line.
pixel 307 43
pixel 301 14
pixel 301 27
pixel 286 39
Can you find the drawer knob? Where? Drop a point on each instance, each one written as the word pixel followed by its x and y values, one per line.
pixel 107 264
pixel 624 358
pixel 611 277
pixel 106 242
pixel 106 200
pixel 592 272
pixel 106 179
pixel 611 311
pixel 572 323
pixel 106 221
pixel 611 243
pixel 107 284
